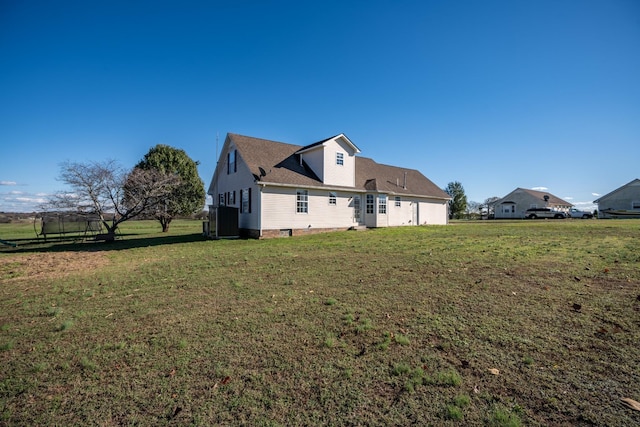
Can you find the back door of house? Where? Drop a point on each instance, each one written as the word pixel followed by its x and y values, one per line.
pixel 357 210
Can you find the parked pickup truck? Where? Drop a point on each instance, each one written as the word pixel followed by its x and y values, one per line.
pixel 576 213
pixel 535 213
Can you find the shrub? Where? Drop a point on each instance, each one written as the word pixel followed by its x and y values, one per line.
pixel 453 412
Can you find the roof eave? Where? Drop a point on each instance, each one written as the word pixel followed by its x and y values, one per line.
pixel 354 189
pixel 316 145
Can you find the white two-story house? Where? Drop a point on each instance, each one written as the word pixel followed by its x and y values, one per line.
pixel 283 189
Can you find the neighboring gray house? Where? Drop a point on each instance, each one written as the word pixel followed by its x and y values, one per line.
pixel 515 204
pixel 623 202
pixel 282 189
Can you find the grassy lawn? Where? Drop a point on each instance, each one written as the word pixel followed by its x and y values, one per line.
pixel 478 323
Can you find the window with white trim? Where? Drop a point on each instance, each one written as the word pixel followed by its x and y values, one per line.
pixel 302 201
pixel 397 199
pixel 340 159
pixel 370 203
pixel 382 204
pixel 332 198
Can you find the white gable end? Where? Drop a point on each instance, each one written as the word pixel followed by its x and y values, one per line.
pixel 339 164
pixel 333 161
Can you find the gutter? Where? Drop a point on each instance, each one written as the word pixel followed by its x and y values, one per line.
pixel 354 189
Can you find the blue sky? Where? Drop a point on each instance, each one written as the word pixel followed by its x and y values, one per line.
pixel 494 94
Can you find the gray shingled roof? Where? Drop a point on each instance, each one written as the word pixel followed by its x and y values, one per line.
pixel 277 163
pixel 553 200
pixel 374 176
pixel 609 194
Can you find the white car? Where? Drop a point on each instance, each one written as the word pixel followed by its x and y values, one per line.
pixel 576 213
pixel 535 213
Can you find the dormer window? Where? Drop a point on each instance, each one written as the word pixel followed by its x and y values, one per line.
pixel 340 159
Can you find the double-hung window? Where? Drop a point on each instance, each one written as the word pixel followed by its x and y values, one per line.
pixel 370 204
pixel 333 198
pixel 382 204
pixel 340 159
pixel 302 201
pixel 397 201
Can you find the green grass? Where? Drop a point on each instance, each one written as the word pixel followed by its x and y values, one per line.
pixel 385 327
pixel 454 413
pixel 503 418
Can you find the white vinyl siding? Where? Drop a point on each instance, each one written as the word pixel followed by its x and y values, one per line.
pixel 239 178
pixel 402 214
pixel 334 172
pixel 276 210
pixel 433 213
pixel 325 163
pixel 276 215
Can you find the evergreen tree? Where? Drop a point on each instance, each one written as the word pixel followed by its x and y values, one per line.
pixel 458 202
pixel 188 197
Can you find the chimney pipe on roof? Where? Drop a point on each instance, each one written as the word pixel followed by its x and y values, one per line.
pixel 405 181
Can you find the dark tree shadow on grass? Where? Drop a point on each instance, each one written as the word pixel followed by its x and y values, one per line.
pixel 123 242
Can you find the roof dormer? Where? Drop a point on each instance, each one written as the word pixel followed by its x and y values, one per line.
pixel 332 160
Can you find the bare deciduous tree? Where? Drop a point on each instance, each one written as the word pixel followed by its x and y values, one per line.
pixel 100 188
pixel 490 205
pixel 473 209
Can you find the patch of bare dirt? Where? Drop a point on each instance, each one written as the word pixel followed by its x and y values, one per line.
pixel 50 265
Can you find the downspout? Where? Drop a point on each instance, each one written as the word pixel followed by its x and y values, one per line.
pixel 260 187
